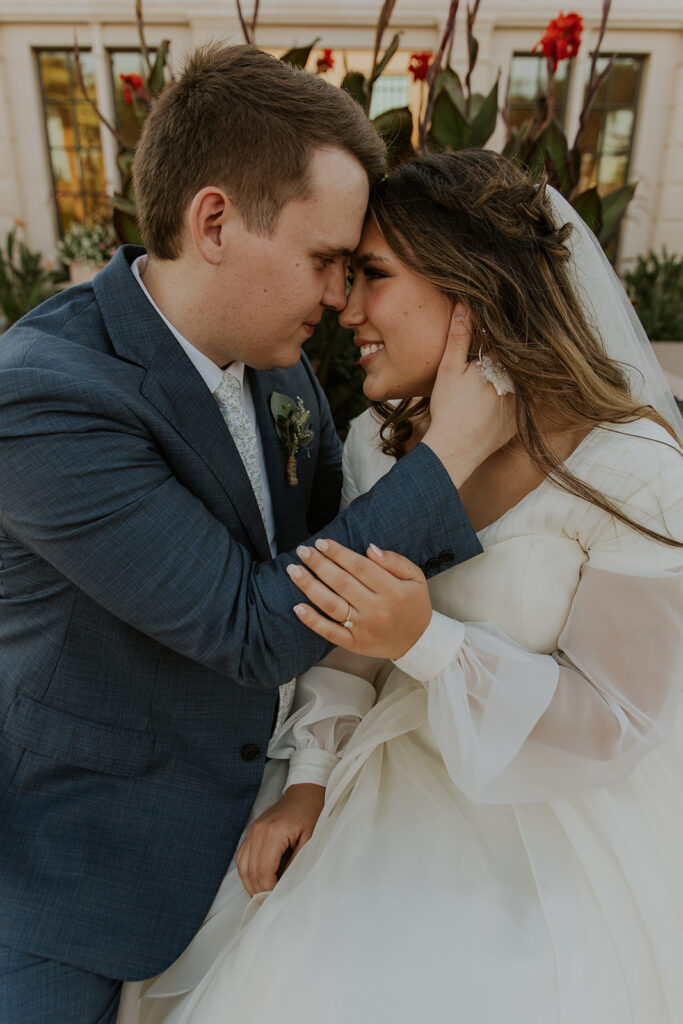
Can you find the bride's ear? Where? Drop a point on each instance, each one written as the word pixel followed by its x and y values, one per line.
pixel 209 215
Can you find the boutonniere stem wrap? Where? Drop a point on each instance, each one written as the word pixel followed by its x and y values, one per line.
pixel 291 424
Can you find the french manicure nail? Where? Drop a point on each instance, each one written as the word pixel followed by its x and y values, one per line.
pixel 377 550
pixel 303 552
pixel 300 609
pixel 294 571
pixel 322 545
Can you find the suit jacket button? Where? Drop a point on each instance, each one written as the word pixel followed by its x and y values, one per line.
pixel 432 565
pixel 446 557
pixel 250 752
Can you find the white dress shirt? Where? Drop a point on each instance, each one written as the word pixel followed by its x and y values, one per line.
pixel 212 375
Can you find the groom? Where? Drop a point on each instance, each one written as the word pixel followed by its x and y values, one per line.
pixel 144 623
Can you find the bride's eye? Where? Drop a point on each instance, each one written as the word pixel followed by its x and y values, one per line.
pixel 372 274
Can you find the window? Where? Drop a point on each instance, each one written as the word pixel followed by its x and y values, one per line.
pixel 606 142
pixel 127 62
pixel 73 137
pixel 528 83
pixel 389 92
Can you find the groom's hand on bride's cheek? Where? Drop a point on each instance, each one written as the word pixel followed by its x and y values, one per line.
pixel 377 605
pixel 274 839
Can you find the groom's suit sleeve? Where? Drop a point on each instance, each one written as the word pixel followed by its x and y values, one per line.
pixel 84 487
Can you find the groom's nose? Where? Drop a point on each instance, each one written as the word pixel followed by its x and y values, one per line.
pixel 334 296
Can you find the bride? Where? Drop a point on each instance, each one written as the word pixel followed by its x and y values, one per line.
pixel 502 830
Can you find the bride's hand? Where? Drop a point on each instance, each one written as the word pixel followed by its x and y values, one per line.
pixel 384 597
pixel 468 420
pixel 284 827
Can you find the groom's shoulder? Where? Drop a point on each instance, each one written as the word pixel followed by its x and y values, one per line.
pixel 62 327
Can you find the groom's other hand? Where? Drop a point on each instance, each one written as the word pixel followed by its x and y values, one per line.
pixel 469 420
pixel 283 829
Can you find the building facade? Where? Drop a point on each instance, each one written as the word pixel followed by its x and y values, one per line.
pixel 58 162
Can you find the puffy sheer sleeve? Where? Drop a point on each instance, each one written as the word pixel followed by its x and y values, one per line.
pixel 330 700
pixel 514 725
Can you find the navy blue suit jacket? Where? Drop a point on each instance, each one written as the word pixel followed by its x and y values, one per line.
pixel 144 627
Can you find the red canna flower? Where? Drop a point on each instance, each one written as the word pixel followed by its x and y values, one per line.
pixel 562 38
pixel 419 64
pixel 326 62
pixel 136 84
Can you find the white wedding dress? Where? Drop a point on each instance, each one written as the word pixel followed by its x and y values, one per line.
pixel 502 839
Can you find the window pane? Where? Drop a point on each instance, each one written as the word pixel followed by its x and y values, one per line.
pixel 589 171
pixel 625 77
pixel 611 172
pixel 66 169
pixel 88 124
pixel 618 131
pixel 602 94
pixel 73 134
pixel 389 92
pixel 593 130
pixel 55 75
pixel 92 170
pixel 609 130
pixel 528 83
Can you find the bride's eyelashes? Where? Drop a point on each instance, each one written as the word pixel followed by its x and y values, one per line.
pixel 372 274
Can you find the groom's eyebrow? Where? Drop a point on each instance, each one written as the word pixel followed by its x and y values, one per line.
pixel 330 250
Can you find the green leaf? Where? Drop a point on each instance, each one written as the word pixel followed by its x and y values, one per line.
pixel 449 128
pixel 589 208
pixel 554 144
pixel 124 205
pixel 125 162
pixel 483 123
pixel 449 80
pixel 156 78
pixel 126 227
pixel 396 128
pixel 388 54
pixel 354 83
pixel 473 47
pixel 281 406
pixel 518 140
pixel 298 57
pixel 383 21
pixel 613 209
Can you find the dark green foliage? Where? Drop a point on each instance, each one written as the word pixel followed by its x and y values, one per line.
pixel 24 281
pixel 655 287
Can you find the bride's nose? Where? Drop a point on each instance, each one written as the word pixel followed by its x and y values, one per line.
pixel 352 315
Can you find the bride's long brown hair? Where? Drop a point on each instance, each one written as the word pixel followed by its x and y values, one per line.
pixel 476 227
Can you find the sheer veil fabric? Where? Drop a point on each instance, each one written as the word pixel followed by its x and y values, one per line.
pixel 502 837
pixel 612 315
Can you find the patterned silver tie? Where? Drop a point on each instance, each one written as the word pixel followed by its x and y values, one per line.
pixel 228 397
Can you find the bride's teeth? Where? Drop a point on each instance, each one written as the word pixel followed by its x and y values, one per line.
pixel 368 350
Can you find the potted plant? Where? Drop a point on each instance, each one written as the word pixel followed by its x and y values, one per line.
pixel 85 248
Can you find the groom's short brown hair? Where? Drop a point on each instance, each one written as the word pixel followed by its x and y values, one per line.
pixel 240 119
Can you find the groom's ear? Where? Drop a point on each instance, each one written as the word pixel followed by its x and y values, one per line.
pixel 209 214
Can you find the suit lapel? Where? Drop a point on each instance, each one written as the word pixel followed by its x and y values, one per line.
pixel 173 386
pixel 289 503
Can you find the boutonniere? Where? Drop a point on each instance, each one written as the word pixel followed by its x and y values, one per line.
pixel 291 424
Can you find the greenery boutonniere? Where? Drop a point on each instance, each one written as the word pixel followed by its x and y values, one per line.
pixel 291 424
